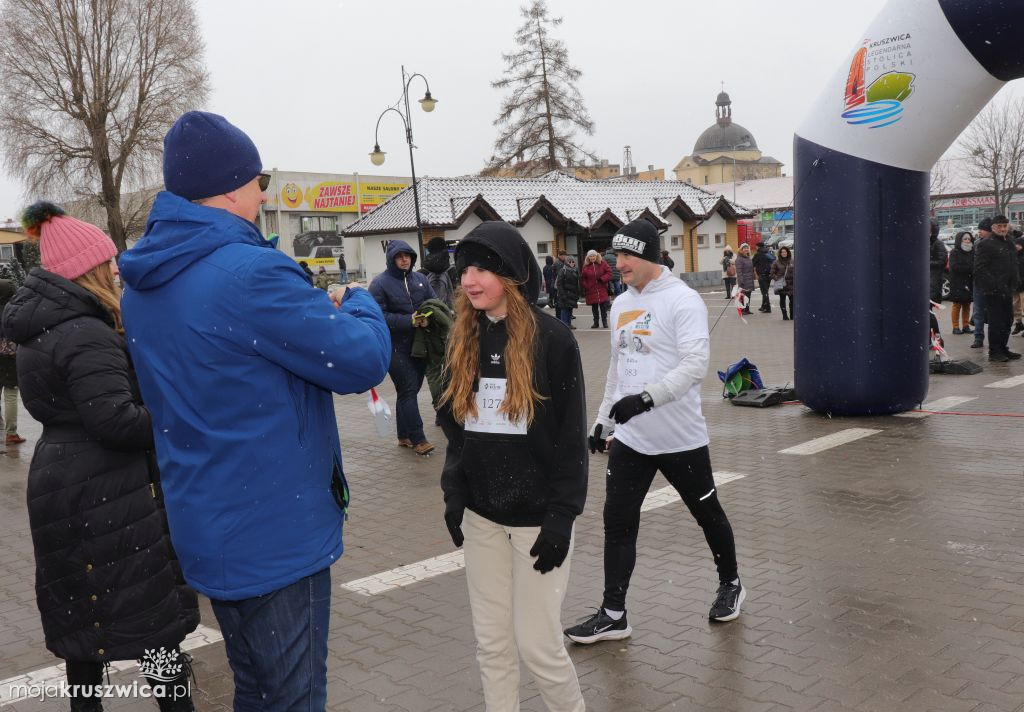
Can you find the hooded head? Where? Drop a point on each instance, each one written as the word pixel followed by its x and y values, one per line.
pixel 933 228
pixel 498 247
pixel 639 238
pixel 396 248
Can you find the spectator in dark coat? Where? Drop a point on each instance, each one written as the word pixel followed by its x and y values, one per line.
pixel 436 264
pixel 763 260
pixel 342 270
pixel 567 286
pixel 784 268
pixel 961 281
pixel 549 273
pixel 399 291
pixel 9 376
pixel 745 274
pixel 309 273
pixel 728 271
pixel 978 316
pixel 995 277
pixel 937 258
pixel 108 584
pixel 595 276
pixel 613 263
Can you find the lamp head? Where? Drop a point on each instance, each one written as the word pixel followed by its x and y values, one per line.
pixel 428 102
pixel 377 157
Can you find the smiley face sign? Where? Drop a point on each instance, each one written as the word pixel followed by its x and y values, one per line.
pixel 291 194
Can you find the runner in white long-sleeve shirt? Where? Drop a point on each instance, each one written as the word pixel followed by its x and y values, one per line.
pixel 659 356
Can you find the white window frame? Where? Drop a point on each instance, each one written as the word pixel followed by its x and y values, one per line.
pixel 543 248
pixel 702 241
pixel 719 239
pixel 676 241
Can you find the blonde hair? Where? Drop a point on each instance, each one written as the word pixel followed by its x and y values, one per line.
pixel 100 282
pixel 462 360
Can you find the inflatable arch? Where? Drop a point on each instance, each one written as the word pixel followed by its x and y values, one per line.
pixel 922 72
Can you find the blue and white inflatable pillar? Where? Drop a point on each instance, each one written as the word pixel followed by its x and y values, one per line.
pixel 922 72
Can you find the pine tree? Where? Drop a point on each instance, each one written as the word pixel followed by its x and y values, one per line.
pixel 539 119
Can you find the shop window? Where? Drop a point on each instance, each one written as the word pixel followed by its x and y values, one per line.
pixel 319 223
pixel 719 239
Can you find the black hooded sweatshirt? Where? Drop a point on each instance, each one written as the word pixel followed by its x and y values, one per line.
pixel 513 474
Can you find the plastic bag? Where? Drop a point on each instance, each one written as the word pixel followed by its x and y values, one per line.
pixel 381 413
pixel 738 377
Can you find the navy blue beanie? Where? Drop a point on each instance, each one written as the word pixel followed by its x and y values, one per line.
pixel 205 155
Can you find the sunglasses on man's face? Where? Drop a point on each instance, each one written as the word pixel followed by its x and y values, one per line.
pixel 264 179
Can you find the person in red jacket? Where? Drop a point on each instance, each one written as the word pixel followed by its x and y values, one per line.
pixel 595 276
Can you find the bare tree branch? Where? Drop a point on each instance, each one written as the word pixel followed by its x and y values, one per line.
pixel 994 148
pixel 88 88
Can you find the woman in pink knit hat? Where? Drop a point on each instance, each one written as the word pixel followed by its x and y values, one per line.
pixel 108 585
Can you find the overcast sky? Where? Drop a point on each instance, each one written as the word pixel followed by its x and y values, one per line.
pixel 307 79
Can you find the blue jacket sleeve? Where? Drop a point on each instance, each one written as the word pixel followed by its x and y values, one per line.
pixel 344 350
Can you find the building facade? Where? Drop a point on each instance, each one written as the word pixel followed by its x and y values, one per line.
pixel 725 152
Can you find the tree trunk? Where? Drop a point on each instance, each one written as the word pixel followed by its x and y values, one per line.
pixel 110 191
pixel 552 158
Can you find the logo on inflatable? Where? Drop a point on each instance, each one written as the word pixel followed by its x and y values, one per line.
pixel 879 103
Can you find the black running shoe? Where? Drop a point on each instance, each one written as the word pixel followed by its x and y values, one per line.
pixel 599 626
pixel 727 604
pixel 1012 355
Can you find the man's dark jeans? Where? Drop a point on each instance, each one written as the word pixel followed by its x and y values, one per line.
pixel 277 646
pixel 765 284
pixel 999 313
pixel 407 374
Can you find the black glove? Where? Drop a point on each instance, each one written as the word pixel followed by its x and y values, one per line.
pixel 596 440
pixel 453 520
pixel 550 550
pixel 631 406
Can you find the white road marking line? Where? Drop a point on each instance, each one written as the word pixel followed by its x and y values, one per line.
pixel 1007 382
pixel 16 689
pixel 947 403
pixel 827 442
pixel 446 563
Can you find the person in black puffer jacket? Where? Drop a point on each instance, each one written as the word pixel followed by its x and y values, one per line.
pixel 567 288
pixel 108 584
pixel 937 258
pixel 515 473
pixel 961 281
pixel 436 266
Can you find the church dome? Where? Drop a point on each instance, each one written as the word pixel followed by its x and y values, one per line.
pixel 724 135
pixel 724 138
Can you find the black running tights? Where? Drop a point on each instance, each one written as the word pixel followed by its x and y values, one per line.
pixel 630 475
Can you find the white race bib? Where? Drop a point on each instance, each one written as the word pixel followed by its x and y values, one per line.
pixel 637 365
pixel 489 397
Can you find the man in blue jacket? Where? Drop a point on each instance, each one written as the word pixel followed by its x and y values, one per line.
pixel 400 291
pixel 237 357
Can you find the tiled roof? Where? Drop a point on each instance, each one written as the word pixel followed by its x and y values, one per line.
pixel 761 194
pixel 445 201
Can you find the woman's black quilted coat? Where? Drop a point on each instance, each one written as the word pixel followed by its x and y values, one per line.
pixel 107 583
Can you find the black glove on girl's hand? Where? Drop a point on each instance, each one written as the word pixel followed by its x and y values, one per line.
pixel 597 441
pixel 550 550
pixel 453 520
pixel 630 406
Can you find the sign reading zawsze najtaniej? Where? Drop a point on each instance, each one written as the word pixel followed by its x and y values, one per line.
pixel 624 242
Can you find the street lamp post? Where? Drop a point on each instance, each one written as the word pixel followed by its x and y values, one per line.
pixel 377 157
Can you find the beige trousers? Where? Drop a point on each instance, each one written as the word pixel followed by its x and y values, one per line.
pixel 1018 306
pixel 517 613
pixel 10 411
